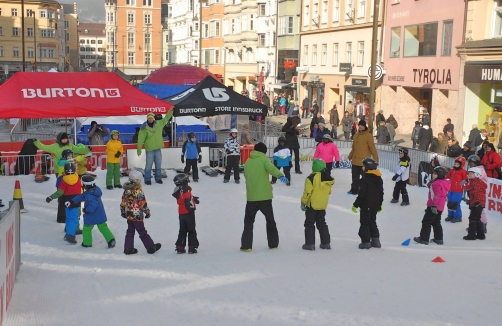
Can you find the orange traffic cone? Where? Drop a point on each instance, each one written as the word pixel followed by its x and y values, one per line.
pixel 18 195
pixel 438 260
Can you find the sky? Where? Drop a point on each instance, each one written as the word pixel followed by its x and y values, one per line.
pixel 90 11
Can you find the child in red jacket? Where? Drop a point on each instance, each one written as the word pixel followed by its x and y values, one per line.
pixel 186 209
pixel 456 175
pixel 477 200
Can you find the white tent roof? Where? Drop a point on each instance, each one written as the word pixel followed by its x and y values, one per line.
pixel 138 119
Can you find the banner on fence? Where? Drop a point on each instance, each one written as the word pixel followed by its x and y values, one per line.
pixel 494 198
pixel 8 256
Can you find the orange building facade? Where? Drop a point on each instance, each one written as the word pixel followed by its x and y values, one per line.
pixel 212 39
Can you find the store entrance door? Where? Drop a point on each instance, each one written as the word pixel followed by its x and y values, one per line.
pixel 426 100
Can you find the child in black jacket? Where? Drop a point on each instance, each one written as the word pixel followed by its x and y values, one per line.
pixel 369 200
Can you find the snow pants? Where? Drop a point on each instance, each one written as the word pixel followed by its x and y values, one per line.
pixel 357 172
pixel 287 173
pixel 368 228
pixel 475 230
pixel 72 220
pixel 252 207
pixel 192 164
pixel 455 197
pixel 112 174
pixel 232 163
pixel 433 221
pixel 139 226
pixel 87 233
pixel 61 217
pixel 315 218
pixel 401 187
pixel 187 227
pixel 296 151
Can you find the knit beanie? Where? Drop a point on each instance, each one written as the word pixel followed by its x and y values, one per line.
pixel 318 165
pixel 362 123
pixel 64 135
pixel 261 147
pixel 150 115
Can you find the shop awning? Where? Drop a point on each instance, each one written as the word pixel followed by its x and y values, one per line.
pixel 279 85
pixel 359 89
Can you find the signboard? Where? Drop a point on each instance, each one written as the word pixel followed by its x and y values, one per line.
pixel 483 74
pixel 378 72
pixel 359 81
pixel 302 69
pixel 346 67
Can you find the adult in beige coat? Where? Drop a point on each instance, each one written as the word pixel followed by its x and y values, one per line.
pixel 363 147
pixel 246 136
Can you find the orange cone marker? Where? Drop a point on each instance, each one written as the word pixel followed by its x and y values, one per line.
pixel 438 260
pixel 18 195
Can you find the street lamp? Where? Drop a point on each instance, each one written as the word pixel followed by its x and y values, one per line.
pixel 376 7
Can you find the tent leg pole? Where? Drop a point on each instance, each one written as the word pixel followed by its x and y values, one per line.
pixel 75 131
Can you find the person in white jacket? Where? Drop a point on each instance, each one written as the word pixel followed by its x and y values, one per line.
pixel 401 178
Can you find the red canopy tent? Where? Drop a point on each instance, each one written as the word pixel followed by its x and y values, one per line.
pixel 92 94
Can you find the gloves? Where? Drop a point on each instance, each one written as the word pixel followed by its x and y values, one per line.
pixel 303 207
pixel 196 199
pixel 182 158
pixel 34 139
pixel 337 165
pixel 354 209
pixel 90 148
pixel 284 179
pixel 83 210
pixel 434 209
pixel 67 204
pixel 394 178
pixel 48 199
pixel 228 151
pixel 380 209
pixel 463 182
pixel 123 214
pixel 118 154
pixel 200 158
pixel 139 153
pixel 147 214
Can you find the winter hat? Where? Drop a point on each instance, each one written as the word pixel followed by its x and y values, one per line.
pixel 321 124
pixel 88 181
pixel 93 123
pixel 318 165
pixel 150 115
pixel 64 135
pixel 115 132
pixel 381 111
pixel 467 144
pixel 362 123
pixel 261 147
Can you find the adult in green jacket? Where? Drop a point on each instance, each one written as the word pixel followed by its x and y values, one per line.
pixel 257 170
pixel 150 135
pixel 58 147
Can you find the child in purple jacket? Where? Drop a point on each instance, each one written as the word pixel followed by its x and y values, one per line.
pixel 438 192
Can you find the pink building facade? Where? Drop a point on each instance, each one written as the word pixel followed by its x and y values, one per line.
pixel 421 62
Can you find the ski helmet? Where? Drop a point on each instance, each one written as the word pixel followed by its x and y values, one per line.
pixel 441 172
pixel 282 138
pixel 233 130
pixel 88 181
pixel 370 164
pixel 474 159
pixel 66 153
pixel 318 165
pixel 460 160
pixel 326 136
pixel 476 171
pixel 403 150
pixel 180 179
pixel 69 168
pixel 115 132
pixel 135 177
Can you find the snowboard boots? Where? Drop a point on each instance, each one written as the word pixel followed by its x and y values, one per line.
pixel 325 246
pixel 153 249
pixel 70 239
pixel 192 250
pixel 475 231
pixel 439 242
pixel 365 245
pixel 308 247
pixel 130 251
pixel 112 243
pixel 418 240
pixel 394 201
pixel 180 250
pixel 375 243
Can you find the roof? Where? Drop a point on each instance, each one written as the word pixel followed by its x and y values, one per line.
pixel 93 29
pixel 490 43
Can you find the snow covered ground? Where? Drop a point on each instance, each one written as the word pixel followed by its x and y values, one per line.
pixel 60 284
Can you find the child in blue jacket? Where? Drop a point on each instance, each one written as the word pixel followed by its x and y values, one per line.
pixel 190 154
pixel 282 159
pixel 94 212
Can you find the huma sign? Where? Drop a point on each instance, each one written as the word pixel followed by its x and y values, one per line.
pixel 481 74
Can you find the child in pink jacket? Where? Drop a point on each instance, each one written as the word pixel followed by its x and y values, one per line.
pixel 326 150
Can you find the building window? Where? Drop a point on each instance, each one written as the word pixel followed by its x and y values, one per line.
pixel 196 44
pixel 93 41
pixel 148 19
pixel 0 11
pixel 29 31
pixel 1 31
pixel 51 14
pixel 130 18
pixel 130 38
pixel 1 51
pixel 324 14
pixel 14 12
pixel 395 42
pixel 336 10
pixel 314 55
pixel 15 31
pixel 261 40
pixel 67 50
pixel 29 13
pixel 47 33
pixel 349 11
pixel 232 26
pixel 147 3
pixel 167 38
pixel 244 22
pixel 31 53
pixel 420 40
pixel 130 58
pixel 324 54
pixel 147 38
pixel 447 37
pixel 147 59
pixel 362 9
pixel 67 36
pixel 335 54
pixel 348 53
pixel 360 54
pixel 306 20
pixel 251 23
pixel 205 30
pixel 43 13
pixel 305 55
pixel 286 25
pixel 261 9
pixel 66 24
pixel 15 52
pixel 214 29
pixel 497 19
pixel 100 41
pixel 225 26
pixel 167 56
pixel 130 2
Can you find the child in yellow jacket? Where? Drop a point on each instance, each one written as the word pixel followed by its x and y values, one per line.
pixel 114 151
pixel 314 202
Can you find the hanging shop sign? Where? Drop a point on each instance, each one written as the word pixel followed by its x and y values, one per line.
pixel 346 67
pixel 359 81
pixel 483 74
